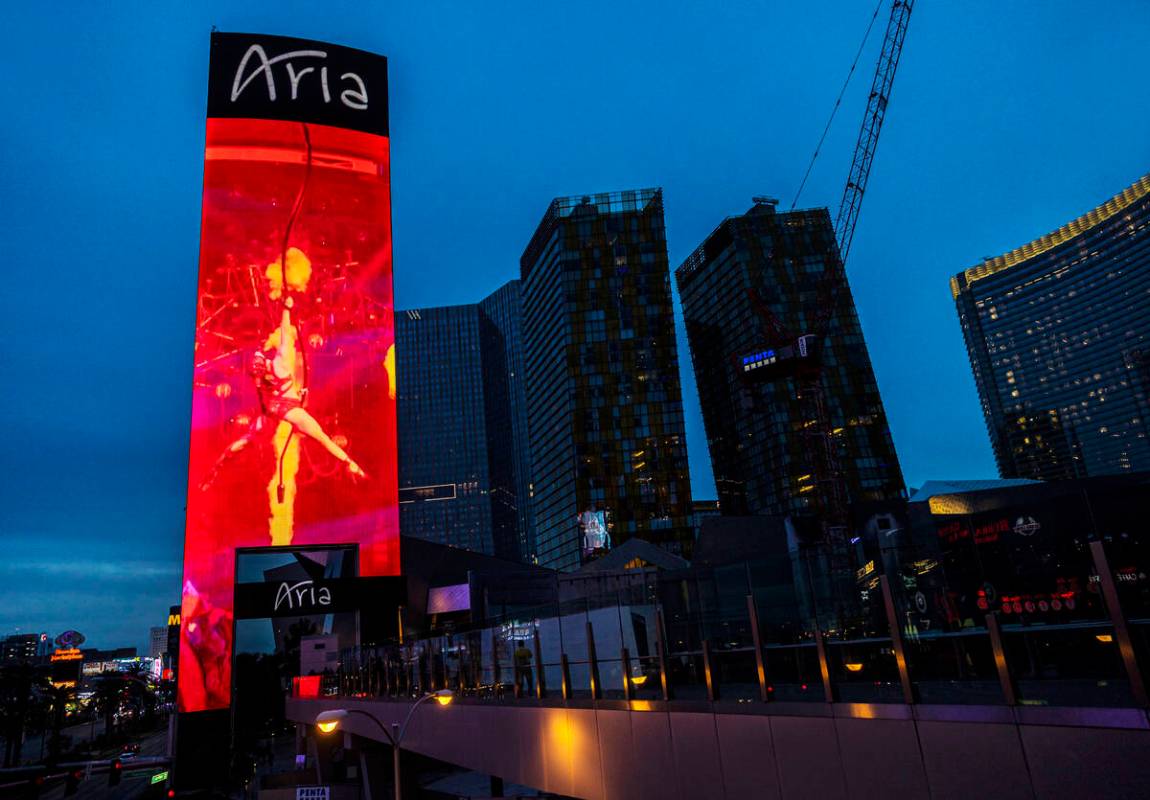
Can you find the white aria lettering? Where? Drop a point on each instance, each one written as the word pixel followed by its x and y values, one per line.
pixel 352 96
pixel 294 78
pixel 297 595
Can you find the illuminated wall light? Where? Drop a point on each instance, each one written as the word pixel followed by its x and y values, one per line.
pixel 949 504
pixel 1105 638
pixel 853 666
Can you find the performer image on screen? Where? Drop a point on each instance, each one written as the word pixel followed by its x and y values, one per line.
pixel 280 374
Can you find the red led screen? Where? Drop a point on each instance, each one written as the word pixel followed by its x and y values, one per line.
pixel 293 411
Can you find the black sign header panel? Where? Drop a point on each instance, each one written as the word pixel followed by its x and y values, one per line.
pixel 255 76
pixel 305 597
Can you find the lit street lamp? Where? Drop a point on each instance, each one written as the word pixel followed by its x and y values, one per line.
pixel 329 721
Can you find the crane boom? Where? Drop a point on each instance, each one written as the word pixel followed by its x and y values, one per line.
pixel 872 124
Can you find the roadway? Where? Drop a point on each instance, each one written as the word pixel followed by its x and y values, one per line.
pixel 134 782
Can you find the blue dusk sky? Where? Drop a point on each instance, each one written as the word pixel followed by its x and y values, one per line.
pixel 1007 120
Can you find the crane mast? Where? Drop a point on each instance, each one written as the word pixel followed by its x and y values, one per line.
pixel 872 124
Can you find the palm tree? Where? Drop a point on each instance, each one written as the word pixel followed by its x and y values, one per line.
pixel 109 695
pixel 19 684
pixel 57 697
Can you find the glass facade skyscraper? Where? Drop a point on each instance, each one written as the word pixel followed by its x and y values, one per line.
pixel 462 440
pixel 505 387
pixel 1058 333
pixel 755 285
pixel 604 405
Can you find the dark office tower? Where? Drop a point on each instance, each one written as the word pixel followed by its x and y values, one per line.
pixel 444 471
pixel 603 401
pixel 752 295
pixel 463 464
pixel 505 398
pixel 1058 333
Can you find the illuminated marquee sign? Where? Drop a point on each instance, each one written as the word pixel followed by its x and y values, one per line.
pixel 293 409
pixel 70 639
pixel 70 654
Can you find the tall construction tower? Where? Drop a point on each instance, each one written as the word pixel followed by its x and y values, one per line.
pixel 796 356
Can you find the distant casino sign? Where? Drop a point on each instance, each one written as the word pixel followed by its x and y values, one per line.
pixel 70 639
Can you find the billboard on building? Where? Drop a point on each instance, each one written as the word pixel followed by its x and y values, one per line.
pixel 293 411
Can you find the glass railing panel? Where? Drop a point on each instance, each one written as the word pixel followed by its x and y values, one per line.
pixel 645 684
pixel 580 679
pixel 793 672
pixel 736 675
pixel 611 678
pixel 686 676
pixel 1067 665
pixel 553 679
pixel 864 671
pixel 954 667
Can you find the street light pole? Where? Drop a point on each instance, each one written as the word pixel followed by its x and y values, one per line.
pixel 396 777
pixel 328 721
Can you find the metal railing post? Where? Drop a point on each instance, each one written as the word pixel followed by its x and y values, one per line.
pixel 824 665
pixel 896 641
pixel 708 673
pixel 1005 679
pixel 516 674
pixel 566 669
pixel 593 664
pixel 540 680
pixel 1121 627
pixel 496 678
pixel 760 657
pixel 628 691
pixel 661 646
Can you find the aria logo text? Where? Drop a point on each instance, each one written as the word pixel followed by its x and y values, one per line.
pixel 301 595
pixel 296 65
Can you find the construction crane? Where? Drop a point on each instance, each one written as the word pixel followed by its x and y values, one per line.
pixel 797 356
pixel 872 125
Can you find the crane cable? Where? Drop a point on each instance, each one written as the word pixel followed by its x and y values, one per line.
pixel 838 102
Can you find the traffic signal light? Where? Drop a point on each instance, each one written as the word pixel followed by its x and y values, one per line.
pixel 72 782
pixel 115 772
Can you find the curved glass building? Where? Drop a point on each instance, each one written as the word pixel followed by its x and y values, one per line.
pixel 1058 333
